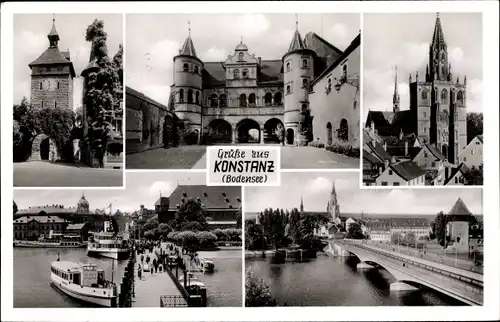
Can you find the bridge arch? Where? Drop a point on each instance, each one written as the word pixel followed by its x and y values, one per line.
pixel 272 130
pixel 220 131
pixel 248 131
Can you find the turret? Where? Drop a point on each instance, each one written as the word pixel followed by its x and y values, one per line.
pixel 438 53
pixel 188 91
pixel 298 71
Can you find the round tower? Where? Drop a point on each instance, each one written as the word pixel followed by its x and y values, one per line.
pixel 298 72
pixel 187 89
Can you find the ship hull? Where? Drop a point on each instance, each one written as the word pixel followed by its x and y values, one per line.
pixel 47 245
pixel 83 293
pixel 109 253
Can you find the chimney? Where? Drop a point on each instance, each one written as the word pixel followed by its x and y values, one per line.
pixel 385 146
pixel 380 170
pixel 374 142
pixel 406 148
pixel 386 164
pixel 393 159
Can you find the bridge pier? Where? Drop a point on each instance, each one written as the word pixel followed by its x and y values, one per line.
pixel 262 135
pixel 402 286
pixel 363 265
pixel 234 136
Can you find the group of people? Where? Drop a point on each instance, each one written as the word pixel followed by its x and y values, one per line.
pixel 158 264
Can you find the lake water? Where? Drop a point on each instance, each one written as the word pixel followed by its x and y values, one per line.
pixel 329 281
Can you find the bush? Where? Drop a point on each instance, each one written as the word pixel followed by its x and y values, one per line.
pixel 343 148
pixel 115 148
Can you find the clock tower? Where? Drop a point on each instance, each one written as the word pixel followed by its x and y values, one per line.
pixel 52 76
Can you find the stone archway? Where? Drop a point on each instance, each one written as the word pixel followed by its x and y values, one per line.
pixel 343 131
pixel 43 148
pixel 248 131
pixel 272 129
pixel 220 131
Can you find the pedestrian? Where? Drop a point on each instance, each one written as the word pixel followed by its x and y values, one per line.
pixel 139 272
pixel 156 267
pixel 160 267
pixel 142 258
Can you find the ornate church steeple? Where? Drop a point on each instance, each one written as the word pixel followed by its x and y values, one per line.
pixel 188 47
pixel 395 96
pixel 333 206
pixel 438 54
pixel 53 35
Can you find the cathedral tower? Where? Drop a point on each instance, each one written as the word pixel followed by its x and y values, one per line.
pixel 298 71
pixel 333 206
pixel 438 104
pixel 188 85
pixel 395 96
pixel 52 76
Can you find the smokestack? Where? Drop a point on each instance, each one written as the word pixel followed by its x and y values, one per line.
pixel 406 148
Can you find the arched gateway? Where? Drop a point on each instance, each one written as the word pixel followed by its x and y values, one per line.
pixel 43 148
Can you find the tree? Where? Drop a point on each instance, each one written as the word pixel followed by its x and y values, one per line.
pixel 151 224
pixel 15 207
pixel 101 90
pixel 355 231
pixel 396 238
pixel 238 218
pixel 23 130
pixel 410 238
pixel 254 238
pixel 440 228
pixel 474 125
pixel 475 176
pixel 206 238
pixel 257 292
pixel 191 226
pixel 190 211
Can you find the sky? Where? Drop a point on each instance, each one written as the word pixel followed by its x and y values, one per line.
pixel 403 40
pixel 153 40
pixel 143 189
pixel 30 41
pixel 315 189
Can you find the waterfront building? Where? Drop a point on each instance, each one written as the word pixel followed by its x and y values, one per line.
pixel 220 204
pixel 459 221
pixel 382 235
pixel 472 155
pixel 250 99
pixel 32 228
pixel 380 228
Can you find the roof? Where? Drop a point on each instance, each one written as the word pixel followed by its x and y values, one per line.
pixel 459 212
pixel 379 121
pixel 66 265
pixel 400 151
pixel 322 48
pixel 162 201
pixel 402 121
pixel 75 226
pixel 53 56
pixel 49 210
pixel 407 170
pixel 212 197
pixel 40 219
pixel 480 138
pixel 438 36
pixel 379 151
pixel 141 96
pixel 188 48
pixel 382 224
pixel 461 168
pixel 370 158
pixel 435 151
pixel 297 43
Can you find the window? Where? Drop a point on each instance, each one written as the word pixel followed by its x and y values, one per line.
pixel 288 66
pixel 240 57
pixel 304 63
pixel 55 104
pixel 424 94
pixel 460 97
pixel 329 86
pixel 465 159
pixel 236 73
pixel 425 114
pixel 304 82
pixel 49 69
pixel 443 70
pixel 57 85
pixel 277 98
pixel 213 100
pixel 40 85
pixel 344 71
pixel 433 164
pixel 425 129
pixel 243 100
pixel 384 183
pixel 456 180
pixel 245 73
pixel 395 183
pixel 390 172
pixel 197 97
pixel 288 89
pixel 190 96
pixel 268 99
pixel 185 68
pixel 251 99
pixel 181 96
pixel 444 96
pixel 425 153
pixel 223 100
pixel 195 69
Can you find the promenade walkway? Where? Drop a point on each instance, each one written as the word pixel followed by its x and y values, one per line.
pixel 150 287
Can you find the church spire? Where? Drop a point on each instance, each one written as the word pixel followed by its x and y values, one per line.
pixel 301 204
pixel 53 35
pixel 438 54
pixel 297 42
pixel 438 36
pixel 395 96
pixel 188 47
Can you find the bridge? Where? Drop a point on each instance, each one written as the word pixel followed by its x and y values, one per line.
pixel 412 272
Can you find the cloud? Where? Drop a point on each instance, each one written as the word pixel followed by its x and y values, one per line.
pixel 318 185
pixel 163 187
pixel 456 56
pixel 252 25
pixel 214 54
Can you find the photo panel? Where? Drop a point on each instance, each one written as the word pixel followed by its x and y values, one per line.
pixel 271 79
pixel 68 100
pixel 168 240
pixel 321 240
pixel 422 103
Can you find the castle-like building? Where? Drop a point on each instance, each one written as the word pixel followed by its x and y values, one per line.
pixel 437 113
pixel 312 92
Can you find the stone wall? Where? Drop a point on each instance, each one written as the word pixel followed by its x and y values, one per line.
pixel 62 96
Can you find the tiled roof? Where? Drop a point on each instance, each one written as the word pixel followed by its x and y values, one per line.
pixel 407 170
pixel 212 197
pixel 40 219
pixel 459 212
pixel 435 152
pixel 52 56
pixel 399 151
pixel 296 42
pixel 188 48
pixel 322 48
pixel 380 122
pixel 370 158
pixel 402 121
pixel 379 151
pixel 462 168
pixel 47 209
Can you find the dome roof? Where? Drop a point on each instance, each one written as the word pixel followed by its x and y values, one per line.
pixel 241 46
pixel 83 203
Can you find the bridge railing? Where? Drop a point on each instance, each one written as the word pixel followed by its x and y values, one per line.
pixel 464 276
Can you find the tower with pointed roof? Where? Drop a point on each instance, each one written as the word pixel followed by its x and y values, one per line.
pixel 459 219
pixel 437 103
pixel 52 76
pixel 298 73
pixel 187 86
pixel 333 206
pixel 395 96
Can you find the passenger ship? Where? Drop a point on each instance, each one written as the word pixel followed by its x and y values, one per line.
pixel 84 282
pixel 55 241
pixel 108 244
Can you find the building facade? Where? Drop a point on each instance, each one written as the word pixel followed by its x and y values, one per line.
pixel 472 155
pixel 32 228
pixel 248 99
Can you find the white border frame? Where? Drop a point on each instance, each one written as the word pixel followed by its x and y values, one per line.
pixel 490 205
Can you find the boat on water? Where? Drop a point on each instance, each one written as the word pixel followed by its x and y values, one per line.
pixel 52 242
pixel 108 244
pixel 191 280
pixel 207 266
pixel 84 282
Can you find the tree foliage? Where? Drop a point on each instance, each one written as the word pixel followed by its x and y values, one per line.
pixel 474 125
pixel 475 176
pixel 354 231
pixel 257 292
pixel 190 211
pixel 440 228
pixel 15 207
pixel 254 237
